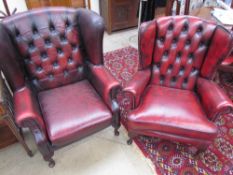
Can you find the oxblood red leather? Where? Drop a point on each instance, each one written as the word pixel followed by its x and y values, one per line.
pixel 72 112
pixel 27 107
pixel 146 32
pixel 49 45
pixel 213 98
pixel 137 85
pixel 173 111
pixel 182 54
pixel 106 85
pixel 46 56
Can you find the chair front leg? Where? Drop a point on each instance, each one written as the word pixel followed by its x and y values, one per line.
pixel 116 117
pixel 200 149
pixel 42 142
pixel 131 135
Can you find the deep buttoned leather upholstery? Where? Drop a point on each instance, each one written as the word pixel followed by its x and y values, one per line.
pixel 179 50
pixel 50 47
pixel 53 61
pixel 173 95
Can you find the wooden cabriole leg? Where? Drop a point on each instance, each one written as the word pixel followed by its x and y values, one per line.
pixel 116 132
pixel 116 117
pixel 47 152
pixel 131 137
pixel 19 137
pixel 130 141
pixel 44 146
pixel 201 149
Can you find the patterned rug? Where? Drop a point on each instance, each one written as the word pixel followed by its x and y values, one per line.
pixel 171 158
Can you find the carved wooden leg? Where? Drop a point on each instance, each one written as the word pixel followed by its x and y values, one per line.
pixel 116 132
pixel 44 146
pixel 51 163
pixel 116 125
pixel 19 137
pixel 201 149
pixel 131 136
pixel 116 117
pixel 47 152
pixel 130 141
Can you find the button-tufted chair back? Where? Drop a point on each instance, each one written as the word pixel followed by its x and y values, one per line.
pixel 49 45
pixel 183 48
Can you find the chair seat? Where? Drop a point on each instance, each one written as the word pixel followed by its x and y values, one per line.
pixel 72 112
pixel 171 112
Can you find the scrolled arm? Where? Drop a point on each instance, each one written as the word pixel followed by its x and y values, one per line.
pixel 27 114
pixel 213 98
pixel 136 86
pixel 26 109
pixel 105 84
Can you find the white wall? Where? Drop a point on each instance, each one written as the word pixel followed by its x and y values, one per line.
pixel 21 5
pixel 12 4
pixel 95 6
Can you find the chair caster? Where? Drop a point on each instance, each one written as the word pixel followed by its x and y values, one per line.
pixel 130 141
pixel 116 132
pixel 197 155
pixel 30 154
pixel 51 163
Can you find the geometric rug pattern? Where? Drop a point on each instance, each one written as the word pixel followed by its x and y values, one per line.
pixel 170 158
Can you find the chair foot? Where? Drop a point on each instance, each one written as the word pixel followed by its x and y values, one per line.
pixel 197 154
pixel 130 141
pixel 51 163
pixel 116 132
pixel 200 150
pixel 30 154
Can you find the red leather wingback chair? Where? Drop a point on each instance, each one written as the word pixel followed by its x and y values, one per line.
pixel 53 61
pixel 225 75
pixel 174 97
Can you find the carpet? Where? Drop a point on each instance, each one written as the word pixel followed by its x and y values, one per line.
pixel 171 158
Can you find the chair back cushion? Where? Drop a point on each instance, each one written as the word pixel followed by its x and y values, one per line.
pixel 183 48
pixel 49 44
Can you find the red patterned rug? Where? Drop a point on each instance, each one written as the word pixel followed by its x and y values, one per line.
pixel 174 158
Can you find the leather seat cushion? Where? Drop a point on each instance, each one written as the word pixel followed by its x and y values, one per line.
pixel 72 112
pixel 171 111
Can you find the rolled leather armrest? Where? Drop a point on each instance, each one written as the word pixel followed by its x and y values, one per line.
pixel 104 83
pixel 213 98
pixel 135 87
pixel 26 108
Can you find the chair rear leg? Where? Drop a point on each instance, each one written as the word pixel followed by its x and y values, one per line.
pixel 116 132
pixel 201 149
pixel 130 141
pixel 131 137
pixel 116 125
